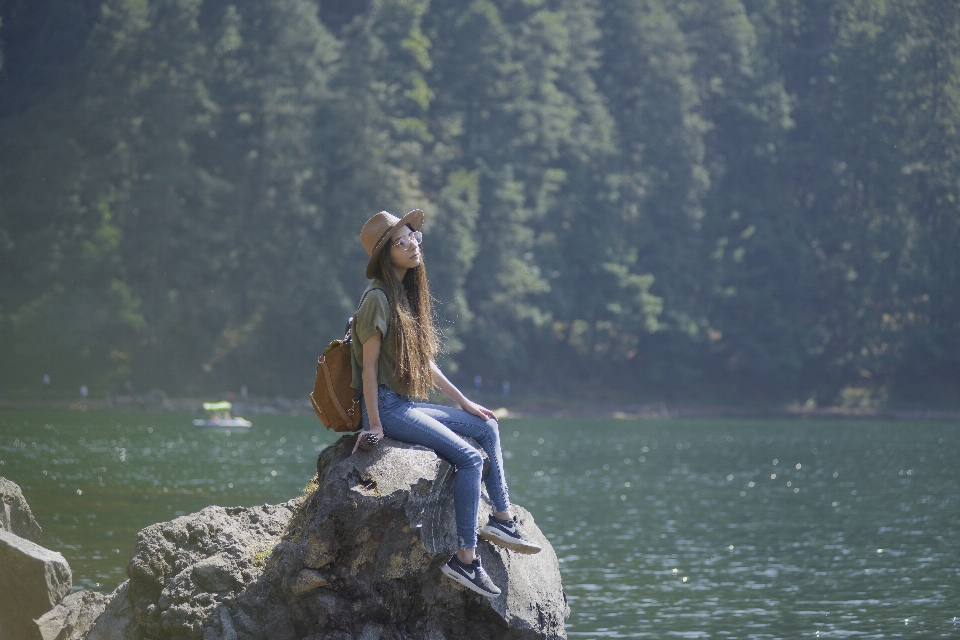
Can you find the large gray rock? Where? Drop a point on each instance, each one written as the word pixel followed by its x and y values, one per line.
pixel 32 581
pixel 200 575
pixel 365 562
pixel 358 559
pixel 73 618
pixel 15 514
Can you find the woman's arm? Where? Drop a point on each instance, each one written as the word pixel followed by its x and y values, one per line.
pixel 450 390
pixel 371 358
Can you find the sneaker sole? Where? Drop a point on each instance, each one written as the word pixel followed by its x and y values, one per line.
pixel 492 535
pixel 459 579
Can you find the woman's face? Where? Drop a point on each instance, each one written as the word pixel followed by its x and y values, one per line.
pixel 407 256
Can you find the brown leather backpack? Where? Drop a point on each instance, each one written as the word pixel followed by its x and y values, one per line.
pixel 336 403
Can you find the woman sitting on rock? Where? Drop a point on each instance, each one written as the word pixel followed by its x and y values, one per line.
pixel 394 347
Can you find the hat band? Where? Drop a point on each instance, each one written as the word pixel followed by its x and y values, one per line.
pixel 382 237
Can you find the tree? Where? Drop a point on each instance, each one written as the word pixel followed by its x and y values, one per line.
pixel 519 111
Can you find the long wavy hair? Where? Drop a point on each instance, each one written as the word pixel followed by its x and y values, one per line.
pixel 411 315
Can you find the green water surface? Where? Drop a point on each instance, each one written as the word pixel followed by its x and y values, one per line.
pixel 664 528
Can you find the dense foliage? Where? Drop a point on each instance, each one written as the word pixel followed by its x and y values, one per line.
pixel 682 199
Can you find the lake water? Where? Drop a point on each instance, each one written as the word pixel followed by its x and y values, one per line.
pixel 664 528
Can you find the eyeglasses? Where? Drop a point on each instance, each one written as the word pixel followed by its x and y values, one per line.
pixel 408 242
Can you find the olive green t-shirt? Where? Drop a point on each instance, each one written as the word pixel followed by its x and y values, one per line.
pixel 373 314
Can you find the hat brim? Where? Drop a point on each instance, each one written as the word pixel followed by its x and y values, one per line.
pixel 414 219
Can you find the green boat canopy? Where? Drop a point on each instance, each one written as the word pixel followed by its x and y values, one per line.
pixel 217 406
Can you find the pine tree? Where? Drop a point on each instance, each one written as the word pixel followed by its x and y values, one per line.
pixel 520 112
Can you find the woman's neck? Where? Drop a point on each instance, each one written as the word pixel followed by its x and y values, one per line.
pixel 400 271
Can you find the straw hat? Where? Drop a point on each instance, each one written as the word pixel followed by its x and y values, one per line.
pixel 376 233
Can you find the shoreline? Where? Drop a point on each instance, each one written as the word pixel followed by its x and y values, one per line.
pixel 159 403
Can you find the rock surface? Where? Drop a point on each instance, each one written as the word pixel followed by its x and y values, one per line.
pixel 119 620
pixel 358 559
pixel 32 581
pixel 200 576
pixel 73 618
pixel 15 514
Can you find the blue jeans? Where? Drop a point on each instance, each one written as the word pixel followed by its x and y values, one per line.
pixel 436 427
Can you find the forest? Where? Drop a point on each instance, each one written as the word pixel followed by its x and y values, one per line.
pixel 703 201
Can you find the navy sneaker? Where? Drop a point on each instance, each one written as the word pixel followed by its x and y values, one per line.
pixel 507 533
pixel 472 576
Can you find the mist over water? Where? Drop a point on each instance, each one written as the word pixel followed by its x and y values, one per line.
pixel 664 528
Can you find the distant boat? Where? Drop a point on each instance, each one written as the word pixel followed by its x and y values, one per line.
pixel 220 417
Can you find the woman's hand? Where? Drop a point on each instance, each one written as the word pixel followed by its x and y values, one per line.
pixel 378 431
pixel 478 410
pixel 448 389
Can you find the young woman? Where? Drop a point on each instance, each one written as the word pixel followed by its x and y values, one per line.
pixel 394 350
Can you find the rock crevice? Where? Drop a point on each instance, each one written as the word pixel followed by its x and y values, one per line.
pixel 33 580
